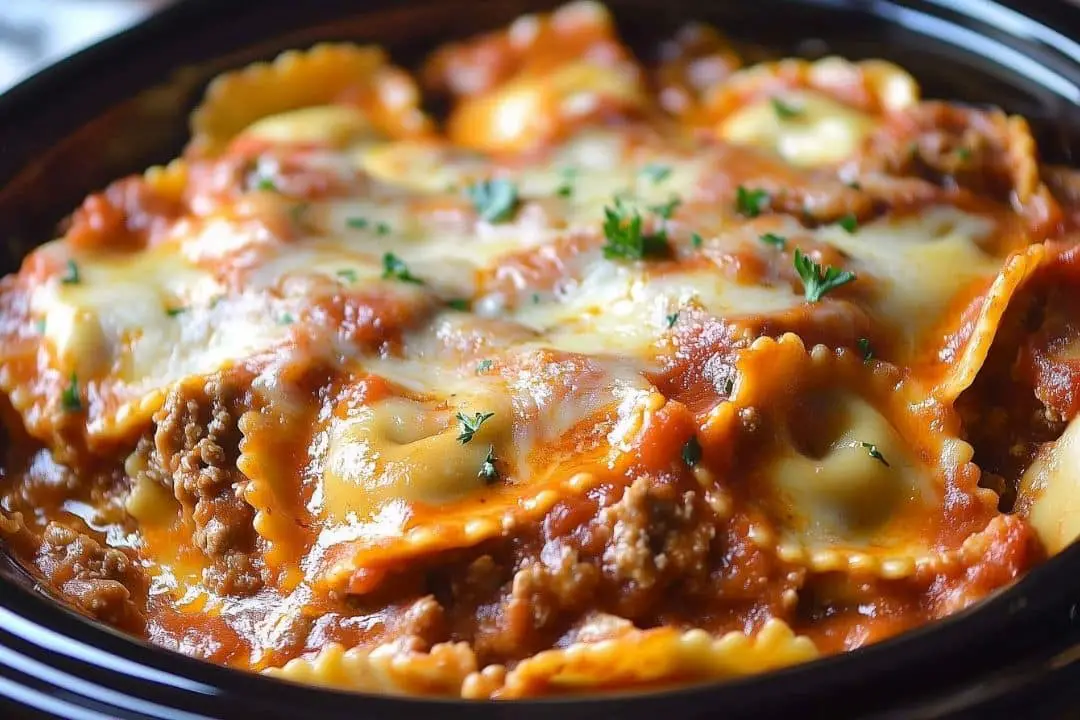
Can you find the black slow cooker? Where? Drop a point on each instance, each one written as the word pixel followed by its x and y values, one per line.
pixel 122 105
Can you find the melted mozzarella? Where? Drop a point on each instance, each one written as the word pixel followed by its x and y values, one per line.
pixel 919 264
pixel 820 131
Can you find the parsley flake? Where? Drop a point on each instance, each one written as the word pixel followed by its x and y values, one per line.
pixel 656 173
pixel 872 450
pixel 849 222
pixel 865 349
pixel 382 228
pixel 691 451
pixel 696 240
pixel 751 203
pixel 40 325
pixel 566 187
pixel 266 183
pixel 784 110
pixel 286 319
pixel 963 154
pixel 666 210
pixel 729 385
pixel 494 200
pixel 672 319
pixel 470 426
pixel 484 366
pixel 394 267
pixel 817 281
pixel 174 311
pixel 358 223
pixel 778 241
pixel 348 275
pixel 69 397
pixel 625 238
pixel 72 276
pixel 488 472
pixel 459 304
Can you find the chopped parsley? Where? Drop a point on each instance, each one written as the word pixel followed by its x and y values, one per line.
pixel 358 223
pixel 672 319
pixel 459 304
pixel 656 172
pixel 778 241
pixel 854 185
pixel 566 187
pixel 40 325
pixel 696 240
pixel 69 397
pixel 729 385
pixel 348 275
pixel 849 222
pixel 691 452
pixel 865 349
pixel 174 311
pixel 395 268
pixel 382 228
pixel 784 110
pixel 470 426
pixel 266 183
pixel 751 202
pixel 625 238
pixel 872 450
pixel 494 200
pixel 816 280
pixel 963 154
pixel 286 319
pixel 488 472
pixel 666 210
pixel 484 365
pixel 72 276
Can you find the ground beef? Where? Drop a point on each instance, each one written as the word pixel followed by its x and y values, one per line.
pixel 104 582
pixel 194 451
pixel 983 150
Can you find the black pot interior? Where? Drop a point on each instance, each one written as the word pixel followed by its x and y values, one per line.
pixel 122 106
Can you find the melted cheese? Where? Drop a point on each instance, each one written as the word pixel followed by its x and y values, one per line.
pixel 847 497
pixel 821 131
pixel 919 263
pixel 1049 492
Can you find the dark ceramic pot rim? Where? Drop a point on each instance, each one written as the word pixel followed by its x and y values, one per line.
pixel 1014 650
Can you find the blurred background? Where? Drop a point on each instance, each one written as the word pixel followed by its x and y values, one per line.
pixel 34 33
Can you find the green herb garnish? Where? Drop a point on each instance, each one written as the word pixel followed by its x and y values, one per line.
pixel 470 426
pixel 875 453
pixel 817 281
pixel 174 311
pixel 625 238
pixel 286 319
pixel 488 472
pixel 784 110
pixel 459 304
pixel 671 319
pixel 348 275
pixel 865 349
pixel 382 228
pixel 494 200
pixel 484 365
pixel 666 210
pixel 849 222
pixel 696 240
pixel 358 223
pixel 751 203
pixel 394 267
pixel 72 276
pixel 775 240
pixel 69 397
pixel 691 452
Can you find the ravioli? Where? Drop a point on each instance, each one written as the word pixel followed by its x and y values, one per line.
pixel 611 377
